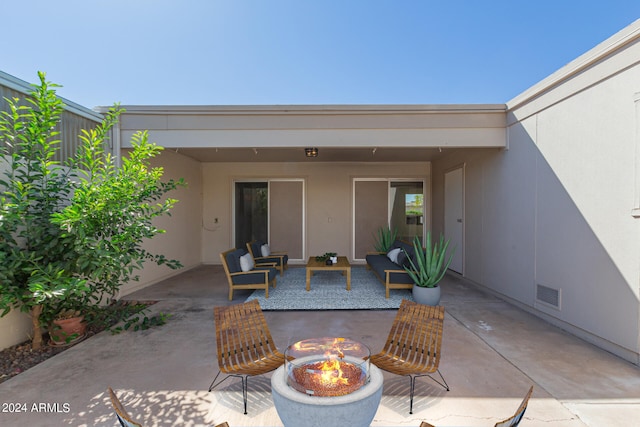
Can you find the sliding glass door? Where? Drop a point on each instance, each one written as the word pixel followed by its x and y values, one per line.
pixel 286 216
pixel 406 201
pixel 397 203
pixel 370 212
pixel 271 211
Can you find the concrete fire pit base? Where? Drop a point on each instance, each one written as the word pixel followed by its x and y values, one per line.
pixel 356 409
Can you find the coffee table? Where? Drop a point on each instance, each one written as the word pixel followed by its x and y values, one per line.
pixel 342 265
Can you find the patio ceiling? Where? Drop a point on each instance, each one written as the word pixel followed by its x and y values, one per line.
pixel 325 154
pixel 348 133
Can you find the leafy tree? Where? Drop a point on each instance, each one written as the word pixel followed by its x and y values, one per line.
pixel 71 234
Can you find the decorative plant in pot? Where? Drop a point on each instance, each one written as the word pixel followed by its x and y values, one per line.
pixel 64 300
pixel 71 234
pixel 384 238
pixel 328 258
pixel 427 268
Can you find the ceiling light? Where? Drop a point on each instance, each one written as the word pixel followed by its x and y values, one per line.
pixel 311 152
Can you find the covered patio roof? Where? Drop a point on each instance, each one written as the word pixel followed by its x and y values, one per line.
pixel 355 133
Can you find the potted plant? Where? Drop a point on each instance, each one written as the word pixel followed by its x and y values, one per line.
pixel 64 300
pixel 384 238
pixel 328 258
pixel 427 268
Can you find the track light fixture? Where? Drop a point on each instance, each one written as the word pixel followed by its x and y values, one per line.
pixel 311 152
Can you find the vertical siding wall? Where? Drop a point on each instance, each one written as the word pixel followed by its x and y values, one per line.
pixel 555 208
pixel 73 118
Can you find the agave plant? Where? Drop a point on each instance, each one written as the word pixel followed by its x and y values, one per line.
pixel 384 238
pixel 430 262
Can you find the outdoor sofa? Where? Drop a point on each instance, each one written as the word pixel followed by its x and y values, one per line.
pixel 391 272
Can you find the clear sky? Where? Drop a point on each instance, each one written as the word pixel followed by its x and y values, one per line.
pixel 230 52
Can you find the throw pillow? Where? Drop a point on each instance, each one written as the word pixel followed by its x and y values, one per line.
pixel 393 255
pixel 246 262
pixel 402 258
pixel 265 251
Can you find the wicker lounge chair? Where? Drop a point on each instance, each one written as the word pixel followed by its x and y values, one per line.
pixel 512 421
pixel 517 417
pixel 124 418
pixel 122 415
pixel 245 346
pixel 413 344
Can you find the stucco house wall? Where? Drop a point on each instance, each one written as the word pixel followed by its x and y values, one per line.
pixel 556 208
pixel 182 237
pixel 328 199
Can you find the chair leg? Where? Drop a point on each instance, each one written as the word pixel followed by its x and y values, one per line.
pixel 443 383
pixel 245 383
pixel 412 380
pixel 214 384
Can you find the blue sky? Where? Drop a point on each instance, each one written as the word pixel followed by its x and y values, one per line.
pixel 231 52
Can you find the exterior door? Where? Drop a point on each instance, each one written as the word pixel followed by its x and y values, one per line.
pixel 271 211
pixel 454 216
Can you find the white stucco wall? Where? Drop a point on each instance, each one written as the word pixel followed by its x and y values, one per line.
pixel 183 228
pixel 555 207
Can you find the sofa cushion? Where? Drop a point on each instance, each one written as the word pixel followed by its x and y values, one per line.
pixel 402 260
pixel 257 276
pixel 233 260
pixel 256 248
pixel 400 277
pixel 264 250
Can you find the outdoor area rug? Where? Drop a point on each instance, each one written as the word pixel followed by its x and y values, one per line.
pixel 328 292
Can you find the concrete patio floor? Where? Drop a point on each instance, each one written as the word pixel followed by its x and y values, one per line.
pixel 492 352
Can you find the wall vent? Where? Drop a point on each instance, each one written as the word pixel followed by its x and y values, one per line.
pixel 548 296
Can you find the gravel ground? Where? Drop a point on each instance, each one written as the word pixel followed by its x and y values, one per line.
pixel 17 359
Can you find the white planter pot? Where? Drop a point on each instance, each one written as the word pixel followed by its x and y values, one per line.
pixel 426 296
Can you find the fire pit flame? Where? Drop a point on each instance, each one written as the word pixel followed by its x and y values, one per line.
pixel 327 366
pixel 331 373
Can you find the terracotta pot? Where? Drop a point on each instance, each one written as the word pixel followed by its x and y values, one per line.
pixel 67 331
pixel 426 296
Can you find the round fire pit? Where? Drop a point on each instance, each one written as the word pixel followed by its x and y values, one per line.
pixel 327 381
